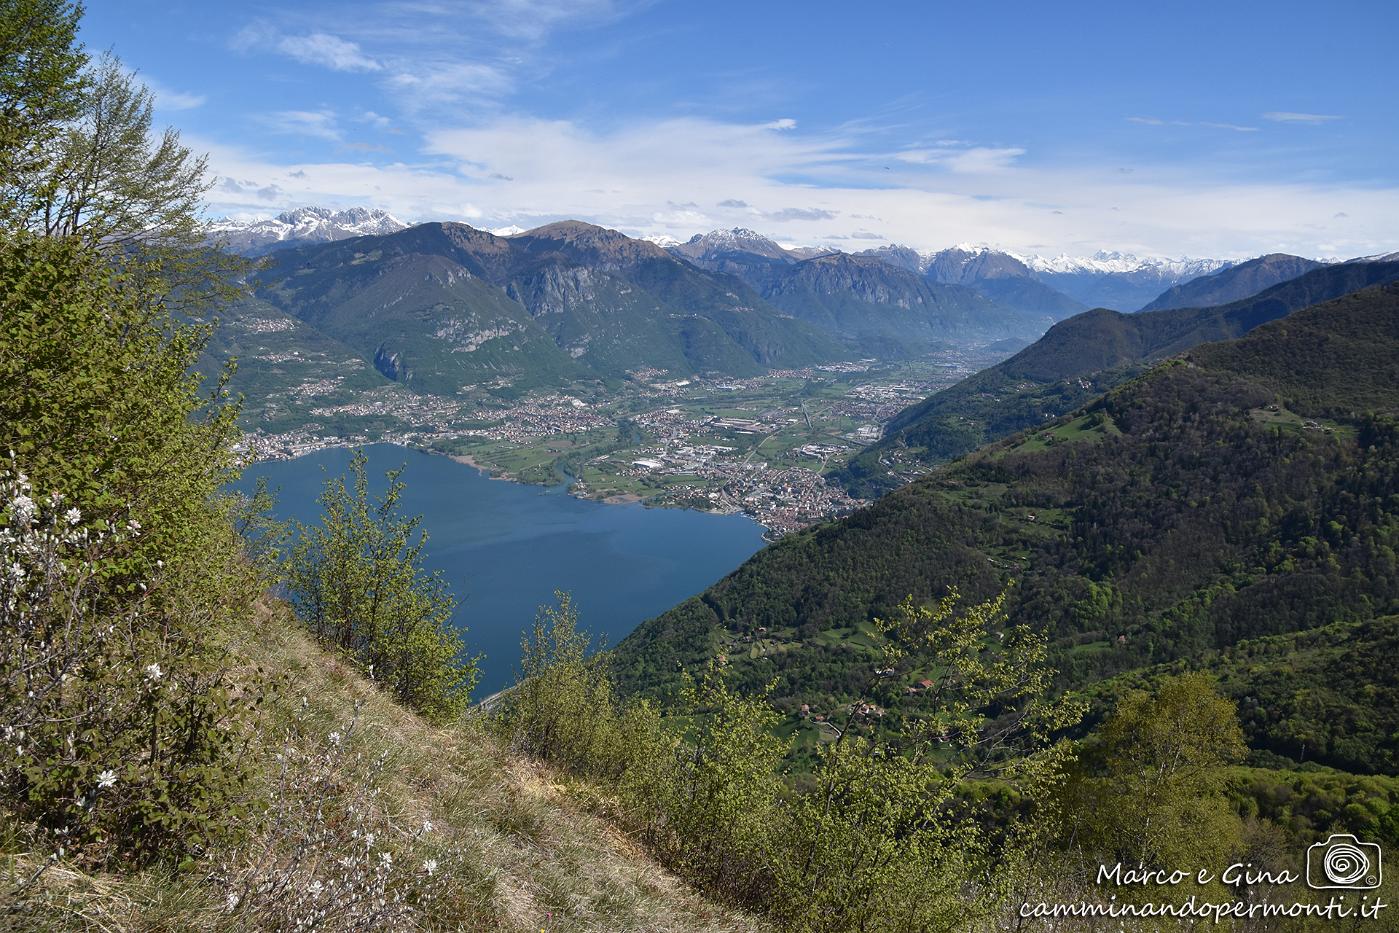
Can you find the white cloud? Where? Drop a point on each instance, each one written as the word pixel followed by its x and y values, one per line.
pixel 167 99
pixel 1237 128
pixel 318 124
pixel 786 123
pixel 442 82
pixel 646 177
pixel 800 213
pixel 316 48
pixel 532 20
pixel 967 160
pixel 1157 121
pixel 1285 116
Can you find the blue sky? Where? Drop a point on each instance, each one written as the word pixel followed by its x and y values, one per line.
pixel 1225 129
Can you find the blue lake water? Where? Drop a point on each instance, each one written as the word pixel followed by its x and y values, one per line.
pixel 505 547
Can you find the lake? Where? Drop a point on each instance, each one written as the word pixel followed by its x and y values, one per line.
pixel 505 547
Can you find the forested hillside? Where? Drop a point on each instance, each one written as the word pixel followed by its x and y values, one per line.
pixel 1241 492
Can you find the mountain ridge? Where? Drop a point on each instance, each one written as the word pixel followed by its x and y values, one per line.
pixel 1081 357
pixel 1234 282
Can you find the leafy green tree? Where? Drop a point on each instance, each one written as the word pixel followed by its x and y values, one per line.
pixel 880 846
pixel 102 404
pixel 115 182
pixel 357 580
pixel 979 665
pixel 560 708
pixel 113 654
pixel 1151 782
pixel 41 88
pixel 728 788
pixel 122 571
pixel 87 163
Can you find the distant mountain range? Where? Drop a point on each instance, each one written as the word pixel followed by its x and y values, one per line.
pixel 1234 282
pixel 439 306
pixel 886 307
pixel 1063 285
pixel 303 225
pixel 1120 281
pixel 1056 287
pixel 442 306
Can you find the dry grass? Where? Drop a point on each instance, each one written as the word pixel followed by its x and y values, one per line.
pixel 350 776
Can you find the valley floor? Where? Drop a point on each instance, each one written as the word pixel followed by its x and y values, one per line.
pixel 760 446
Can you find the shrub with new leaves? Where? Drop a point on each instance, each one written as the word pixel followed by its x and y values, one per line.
pixel 560 710
pixel 358 582
pixel 121 570
pixel 117 722
pixel 885 835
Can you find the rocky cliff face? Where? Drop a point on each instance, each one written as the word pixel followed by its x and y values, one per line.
pixel 555 289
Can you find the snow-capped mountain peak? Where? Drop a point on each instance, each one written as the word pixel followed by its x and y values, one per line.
pixel 302 225
pixel 736 240
pixel 1112 262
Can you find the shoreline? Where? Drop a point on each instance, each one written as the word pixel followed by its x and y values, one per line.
pixel 621 498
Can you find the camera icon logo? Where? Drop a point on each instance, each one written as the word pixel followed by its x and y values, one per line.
pixel 1343 861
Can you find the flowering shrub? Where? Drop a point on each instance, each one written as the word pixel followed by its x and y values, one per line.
pixel 117 727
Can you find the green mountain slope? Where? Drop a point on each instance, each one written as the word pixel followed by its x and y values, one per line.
pixel 282 359
pixel 1075 361
pixel 1237 494
pixel 440 306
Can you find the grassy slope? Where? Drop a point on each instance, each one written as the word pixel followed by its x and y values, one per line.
pixel 516 855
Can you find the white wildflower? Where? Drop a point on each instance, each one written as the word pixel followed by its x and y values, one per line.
pixel 22 509
pixel 427 826
pixel 386 860
pixel 73 516
pixel 334 738
pixel 154 673
pixel 430 866
pixel 106 778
